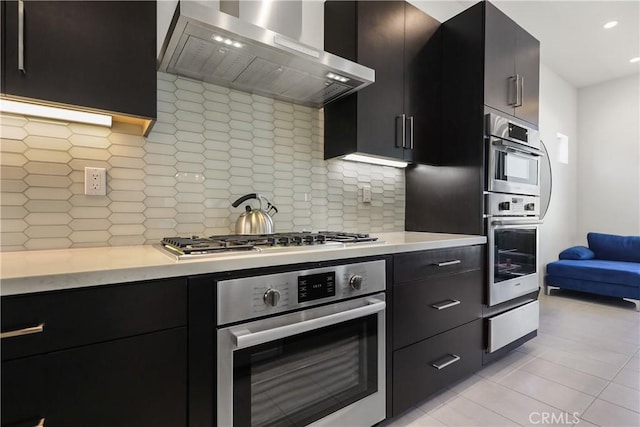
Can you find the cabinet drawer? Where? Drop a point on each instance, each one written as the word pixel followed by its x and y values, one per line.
pixel 419 265
pixel 416 376
pixel 136 381
pixel 83 316
pixel 430 306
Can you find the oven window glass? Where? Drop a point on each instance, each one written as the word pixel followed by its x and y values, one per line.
pixel 300 379
pixel 515 253
pixel 512 167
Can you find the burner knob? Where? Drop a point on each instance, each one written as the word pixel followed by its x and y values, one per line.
pixel 271 297
pixel 355 282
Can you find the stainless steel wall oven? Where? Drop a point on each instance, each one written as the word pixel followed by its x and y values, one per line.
pixel 303 347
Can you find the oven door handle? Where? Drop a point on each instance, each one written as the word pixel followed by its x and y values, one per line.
pixel 533 152
pixel 516 222
pixel 244 338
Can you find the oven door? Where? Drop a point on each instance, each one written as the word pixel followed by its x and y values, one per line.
pixel 513 168
pixel 321 366
pixel 513 258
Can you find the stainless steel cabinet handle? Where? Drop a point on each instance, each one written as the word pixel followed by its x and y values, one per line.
pixel 446 304
pixel 519 90
pixel 446 263
pixel 401 130
pixel 452 358
pixel 21 332
pixel 21 36
pixel 40 423
pixel 244 338
pixel 512 91
pixel 411 132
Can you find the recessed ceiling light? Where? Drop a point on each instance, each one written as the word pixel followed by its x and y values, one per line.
pixel 610 24
pixel 634 60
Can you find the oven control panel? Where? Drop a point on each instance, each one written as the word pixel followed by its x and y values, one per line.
pixel 256 296
pixel 499 204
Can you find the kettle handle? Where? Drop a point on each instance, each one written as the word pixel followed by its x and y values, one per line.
pixel 244 199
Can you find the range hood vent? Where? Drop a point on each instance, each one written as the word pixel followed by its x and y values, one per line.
pixel 232 44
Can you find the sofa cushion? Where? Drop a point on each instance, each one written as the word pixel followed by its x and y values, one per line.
pixel 576 252
pixel 622 273
pixel 615 248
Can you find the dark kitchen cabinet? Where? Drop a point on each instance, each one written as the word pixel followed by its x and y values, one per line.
pixel 95 54
pixel 106 356
pixel 398 115
pixel 436 311
pixel 511 67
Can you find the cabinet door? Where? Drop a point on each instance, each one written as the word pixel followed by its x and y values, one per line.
pixel 97 54
pixel 499 62
pixel 138 381
pixel 528 68
pixel 422 61
pixel 381 47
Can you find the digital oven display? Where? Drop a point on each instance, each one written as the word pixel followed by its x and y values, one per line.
pixel 316 286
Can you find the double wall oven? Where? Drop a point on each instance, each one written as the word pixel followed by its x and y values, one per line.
pixel 512 208
pixel 296 347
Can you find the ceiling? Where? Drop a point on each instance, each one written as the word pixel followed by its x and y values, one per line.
pixel 573 42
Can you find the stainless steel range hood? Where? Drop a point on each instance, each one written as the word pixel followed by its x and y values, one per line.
pixel 269 47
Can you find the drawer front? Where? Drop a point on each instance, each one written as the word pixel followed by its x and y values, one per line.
pixel 419 265
pixel 83 316
pixel 428 307
pixel 457 353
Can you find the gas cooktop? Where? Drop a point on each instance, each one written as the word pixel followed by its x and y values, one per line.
pixel 199 246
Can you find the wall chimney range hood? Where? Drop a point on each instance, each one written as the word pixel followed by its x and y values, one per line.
pixel 269 47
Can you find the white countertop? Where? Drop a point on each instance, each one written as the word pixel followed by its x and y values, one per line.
pixel 37 271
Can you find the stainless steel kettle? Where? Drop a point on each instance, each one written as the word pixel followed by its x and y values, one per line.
pixel 255 221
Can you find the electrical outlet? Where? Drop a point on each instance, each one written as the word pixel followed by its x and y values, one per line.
pixel 366 194
pixel 95 181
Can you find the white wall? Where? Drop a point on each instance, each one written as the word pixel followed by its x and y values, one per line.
pixel 558 114
pixel 609 157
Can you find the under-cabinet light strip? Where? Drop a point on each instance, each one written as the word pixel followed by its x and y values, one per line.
pixel 375 160
pixel 27 109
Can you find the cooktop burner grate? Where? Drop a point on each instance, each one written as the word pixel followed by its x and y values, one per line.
pixel 205 245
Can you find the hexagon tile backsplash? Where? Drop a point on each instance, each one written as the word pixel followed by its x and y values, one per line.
pixel 209 146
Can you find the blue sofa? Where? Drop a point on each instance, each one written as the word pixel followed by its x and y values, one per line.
pixel 609 266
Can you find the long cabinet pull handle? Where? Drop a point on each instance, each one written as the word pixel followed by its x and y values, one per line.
pixel 519 90
pixel 411 132
pixel 512 91
pixel 21 332
pixel 446 263
pixel 451 359
pixel 21 36
pixel 40 423
pixel 446 304
pixel 400 130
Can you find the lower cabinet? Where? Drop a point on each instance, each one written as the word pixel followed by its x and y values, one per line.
pixel 422 369
pixel 137 381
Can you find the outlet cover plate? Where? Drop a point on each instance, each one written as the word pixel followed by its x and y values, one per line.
pixel 95 181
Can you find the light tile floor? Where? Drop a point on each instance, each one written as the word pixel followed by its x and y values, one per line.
pixel 583 369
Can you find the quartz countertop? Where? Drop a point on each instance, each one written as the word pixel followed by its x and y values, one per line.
pixel 37 271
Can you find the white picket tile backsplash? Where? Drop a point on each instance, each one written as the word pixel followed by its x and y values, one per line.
pixel 209 146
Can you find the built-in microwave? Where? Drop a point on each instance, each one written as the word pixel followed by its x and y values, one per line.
pixel 513 157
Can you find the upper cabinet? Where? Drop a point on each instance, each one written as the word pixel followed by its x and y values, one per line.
pixel 398 115
pixel 511 67
pixel 98 55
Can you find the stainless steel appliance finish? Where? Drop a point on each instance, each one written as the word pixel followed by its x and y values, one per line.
pixel 324 365
pixel 255 221
pixel 243 299
pixel 261 47
pixel 514 157
pixel 498 204
pixel 516 323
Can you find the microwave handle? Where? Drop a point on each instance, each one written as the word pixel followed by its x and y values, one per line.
pixel 244 338
pixel 517 147
pixel 516 222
